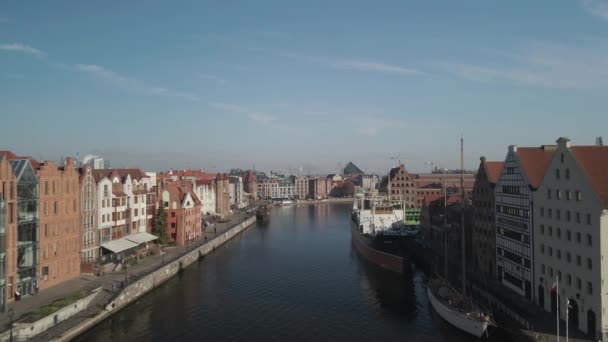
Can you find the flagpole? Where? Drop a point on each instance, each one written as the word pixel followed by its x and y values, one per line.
pixel 567 309
pixel 557 299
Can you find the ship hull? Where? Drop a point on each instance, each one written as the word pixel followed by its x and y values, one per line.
pixel 364 247
pixel 458 319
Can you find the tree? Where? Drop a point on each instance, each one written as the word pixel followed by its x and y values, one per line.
pixel 348 189
pixel 160 226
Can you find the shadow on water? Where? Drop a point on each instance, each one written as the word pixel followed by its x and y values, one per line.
pixel 393 292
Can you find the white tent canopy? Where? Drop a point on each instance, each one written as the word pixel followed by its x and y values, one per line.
pixel 140 238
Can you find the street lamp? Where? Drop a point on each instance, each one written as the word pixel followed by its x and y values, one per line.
pixel 11 313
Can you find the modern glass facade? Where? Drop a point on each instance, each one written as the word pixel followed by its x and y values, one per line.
pixel 27 226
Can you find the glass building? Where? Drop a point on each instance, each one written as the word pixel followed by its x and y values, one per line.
pixel 27 226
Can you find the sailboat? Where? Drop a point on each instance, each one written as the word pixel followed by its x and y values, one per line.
pixel 454 307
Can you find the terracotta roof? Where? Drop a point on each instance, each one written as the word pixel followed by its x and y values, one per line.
pixel 204 182
pixel 179 190
pixel 594 162
pixel 535 161
pixel 137 174
pixel 493 170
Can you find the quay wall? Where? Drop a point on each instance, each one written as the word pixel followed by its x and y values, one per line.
pixel 142 286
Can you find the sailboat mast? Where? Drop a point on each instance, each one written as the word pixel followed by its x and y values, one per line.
pixel 462 240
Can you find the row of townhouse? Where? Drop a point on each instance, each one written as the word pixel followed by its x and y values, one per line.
pixel 295 187
pixel 541 217
pixel 57 220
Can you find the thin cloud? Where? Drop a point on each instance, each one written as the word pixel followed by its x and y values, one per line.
pixel 375 67
pixel 215 79
pixel 357 65
pixel 256 116
pixel 373 125
pixel 597 8
pixel 543 65
pixel 130 83
pixel 22 48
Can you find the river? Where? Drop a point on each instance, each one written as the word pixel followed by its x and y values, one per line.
pixel 295 278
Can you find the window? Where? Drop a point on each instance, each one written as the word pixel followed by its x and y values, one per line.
pixel 579 196
pixel 578 217
pixel 542 248
pixel 589 263
pixel 548 193
pixel 559 233
pixel 578 283
pixel 557 173
pixel 559 254
pixel 558 213
pixel 542 229
pixel 569 279
pixel 589 219
pixel 578 237
pixel 568 235
pixel 550 213
pixel 45 271
pixel 46 187
pixel 172 224
pixel 578 260
pixel 172 214
pixel 542 268
pixel 46 230
pixel 561 157
pixel 568 195
pixel 568 217
pixel 166 204
pixel 589 288
pixel 567 173
pixel 550 272
pixel 558 194
pixel 55 206
pixel 550 251
pixel 589 240
pixel 542 211
pixel 568 257
pixel 550 231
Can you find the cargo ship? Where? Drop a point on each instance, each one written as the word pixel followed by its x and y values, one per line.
pixel 380 235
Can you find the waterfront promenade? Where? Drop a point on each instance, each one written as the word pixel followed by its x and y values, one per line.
pixel 110 283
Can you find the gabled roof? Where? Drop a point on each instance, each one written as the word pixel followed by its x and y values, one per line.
pixel 136 174
pixel 493 170
pixel 535 161
pixel 594 162
pixel 351 168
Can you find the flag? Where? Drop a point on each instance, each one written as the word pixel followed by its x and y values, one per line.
pixel 554 287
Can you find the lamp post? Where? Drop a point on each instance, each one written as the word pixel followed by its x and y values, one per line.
pixel 11 314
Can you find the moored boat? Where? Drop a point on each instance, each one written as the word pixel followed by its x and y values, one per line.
pixel 456 311
pixel 262 213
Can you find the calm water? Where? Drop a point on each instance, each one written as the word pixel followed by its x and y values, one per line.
pixel 295 278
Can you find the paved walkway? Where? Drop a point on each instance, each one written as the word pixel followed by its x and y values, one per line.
pixel 26 305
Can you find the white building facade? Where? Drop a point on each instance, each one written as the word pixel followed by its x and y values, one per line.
pixel 570 234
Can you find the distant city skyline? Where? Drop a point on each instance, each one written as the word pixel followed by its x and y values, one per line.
pixel 279 85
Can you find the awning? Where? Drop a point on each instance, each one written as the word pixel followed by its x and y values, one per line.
pixel 140 238
pixel 119 245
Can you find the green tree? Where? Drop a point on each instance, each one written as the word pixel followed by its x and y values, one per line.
pixel 160 226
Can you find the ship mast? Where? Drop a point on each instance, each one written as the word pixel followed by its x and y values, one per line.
pixel 462 239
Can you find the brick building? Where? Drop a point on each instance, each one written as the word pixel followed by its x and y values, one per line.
pixel 59 223
pixel 251 184
pixel 484 221
pixel 183 208
pixel 402 187
pixel 8 229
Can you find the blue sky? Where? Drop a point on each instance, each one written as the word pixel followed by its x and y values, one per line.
pixel 285 84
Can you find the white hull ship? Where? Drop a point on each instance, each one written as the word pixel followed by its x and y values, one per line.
pixel 472 321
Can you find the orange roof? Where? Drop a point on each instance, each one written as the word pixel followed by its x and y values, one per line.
pixel 493 170
pixel 535 161
pixel 594 162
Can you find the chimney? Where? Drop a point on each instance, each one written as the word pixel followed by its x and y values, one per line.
pixel 563 142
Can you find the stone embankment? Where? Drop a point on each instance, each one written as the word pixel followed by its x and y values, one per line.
pixel 147 283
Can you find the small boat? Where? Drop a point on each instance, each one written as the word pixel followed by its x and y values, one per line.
pixel 453 308
pixel 286 202
pixel 262 213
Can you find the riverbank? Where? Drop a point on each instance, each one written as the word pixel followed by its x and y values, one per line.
pixel 139 280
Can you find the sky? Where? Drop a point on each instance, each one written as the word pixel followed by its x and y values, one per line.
pixel 290 85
